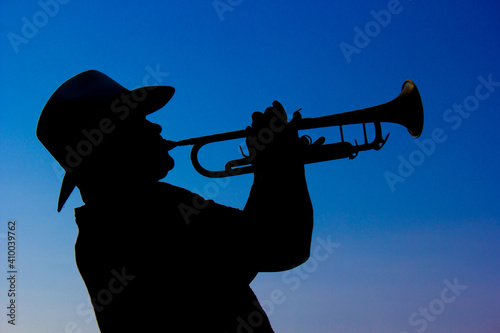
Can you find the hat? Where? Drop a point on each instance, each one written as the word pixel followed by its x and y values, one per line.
pixel 83 111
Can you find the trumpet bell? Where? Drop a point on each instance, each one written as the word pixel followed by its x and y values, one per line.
pixel 410 101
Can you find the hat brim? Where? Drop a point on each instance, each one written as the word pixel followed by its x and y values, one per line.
pixel 67 187
pixel 156 98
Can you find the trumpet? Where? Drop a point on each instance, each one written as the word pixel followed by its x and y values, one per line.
pixel 406 110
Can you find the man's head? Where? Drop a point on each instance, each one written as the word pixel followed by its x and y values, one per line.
pixel 135 153
pixel 97 130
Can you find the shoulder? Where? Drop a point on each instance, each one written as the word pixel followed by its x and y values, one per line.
pixel 194 207
pixel 173 190
pixel 171 193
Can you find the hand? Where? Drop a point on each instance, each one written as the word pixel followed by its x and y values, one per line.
pixel 272 141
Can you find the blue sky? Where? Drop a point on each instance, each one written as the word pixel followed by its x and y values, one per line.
pixel 394 229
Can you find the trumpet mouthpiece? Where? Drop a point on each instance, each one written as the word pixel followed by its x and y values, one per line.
pixel 170 144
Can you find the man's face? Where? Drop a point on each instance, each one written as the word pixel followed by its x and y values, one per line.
pixel 144 152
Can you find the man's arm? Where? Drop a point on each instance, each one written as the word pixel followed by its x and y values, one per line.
pixel 273 232
pixel 279 206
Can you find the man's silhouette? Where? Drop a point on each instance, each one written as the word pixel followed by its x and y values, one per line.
pixel 153 256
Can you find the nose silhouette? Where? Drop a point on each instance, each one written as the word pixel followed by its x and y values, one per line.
pixel 152 127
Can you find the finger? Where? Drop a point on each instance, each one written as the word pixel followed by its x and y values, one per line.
pixel 258 119
pixel 276 111
pixel 305 140
pixel 319 142
pixel 269 112
pixel 278 106
pixel 280 110
pixel 297 115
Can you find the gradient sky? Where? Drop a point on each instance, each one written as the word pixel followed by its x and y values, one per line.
pixel 406 239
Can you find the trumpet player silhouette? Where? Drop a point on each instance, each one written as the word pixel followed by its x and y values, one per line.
pixel 154 256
